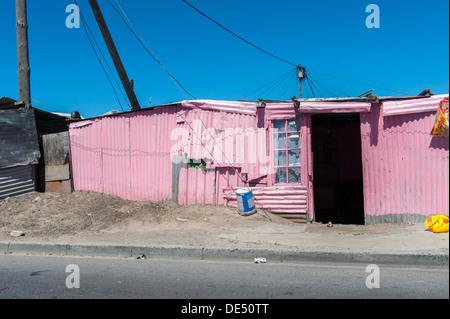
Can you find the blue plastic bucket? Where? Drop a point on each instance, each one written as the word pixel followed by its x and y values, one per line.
pixel 245 201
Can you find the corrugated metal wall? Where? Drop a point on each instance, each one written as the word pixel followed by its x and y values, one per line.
pixel 127 156
pixel 19 150
pixel 290 202
pixel 16 181
pixel 228 139
pixel 150 153
pixel 130 156
pixel 406 170
pixel 18 138
pixel 196 186
pixel 86 155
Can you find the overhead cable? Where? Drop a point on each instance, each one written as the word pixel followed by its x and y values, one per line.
pixel 147 47
pixel 268 85
pixel 359 83
pixel 276 57
pixel 236 35
pixel 86 29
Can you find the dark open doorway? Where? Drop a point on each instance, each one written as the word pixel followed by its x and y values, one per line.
pixel 337 163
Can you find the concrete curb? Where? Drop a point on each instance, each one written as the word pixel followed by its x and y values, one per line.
pixel 226 253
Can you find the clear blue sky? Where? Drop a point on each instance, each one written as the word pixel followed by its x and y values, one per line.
pixel 407 54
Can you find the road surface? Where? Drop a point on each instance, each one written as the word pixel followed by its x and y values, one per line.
pixel 29 277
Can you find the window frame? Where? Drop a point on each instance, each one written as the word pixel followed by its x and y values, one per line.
pixel 286 149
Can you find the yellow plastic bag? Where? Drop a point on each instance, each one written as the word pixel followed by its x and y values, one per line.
pixel 441 124
pixel 437 223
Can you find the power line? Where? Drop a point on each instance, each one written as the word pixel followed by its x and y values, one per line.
pixel 276 86
pixel 324 88
pixel 310 86
pixel 328 86
pixel 95 52
pixel 288 85
pixel 312 83
pixel 276 57
pixel 273 82
pixel 356 82
pixel 106 61
pixel 239 37
pixel 151 53
pixel 147 47
pixel 186 121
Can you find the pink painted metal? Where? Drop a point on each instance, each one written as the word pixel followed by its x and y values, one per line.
pixel 136 156
pixel 412 106
pixel 280 111
pixel 86 155
pixel 248 108
pixel 131 155
pixel 127 155
pixel 334 107
pixel 226 140
pixel 196 186
pixel 405 168
pixel 289 201
pixel 151 153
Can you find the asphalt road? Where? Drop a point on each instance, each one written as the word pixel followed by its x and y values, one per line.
pixel 48 277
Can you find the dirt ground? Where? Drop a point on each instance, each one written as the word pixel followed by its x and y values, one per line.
pixel 93 218
pixel 54 215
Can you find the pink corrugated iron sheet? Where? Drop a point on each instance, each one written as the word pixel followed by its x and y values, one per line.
pixel 226 139
pixel 248 108
pixel 411 106
pixel 280 111
pixel 196 186
pixel 151 153
pixel 406 170
pixel 289 201
pixel 128 155
pixel 334 107
pixel 86 155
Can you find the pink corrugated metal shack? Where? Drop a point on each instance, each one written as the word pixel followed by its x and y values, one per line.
pixel 349 161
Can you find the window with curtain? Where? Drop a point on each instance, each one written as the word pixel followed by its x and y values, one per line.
pixel 286 145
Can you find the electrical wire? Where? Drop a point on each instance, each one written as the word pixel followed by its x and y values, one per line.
pixel 267 85
pixel 276 57
pixel 312 83
pixel 180 88
pixel 306 93
pixel 143 43
pixel 323 87
pixel 49 107
pixel 193 130
pixel 288 86
pixel 359 83
pixel 310 86
pixel 333 90
pixel 275 88
pixel 86 27
pixel 239 37
pixel 147 47
pixel 107 64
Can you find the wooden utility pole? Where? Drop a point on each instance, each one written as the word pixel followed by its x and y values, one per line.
pixel 114 55
pixel 300 75
pixel 23 59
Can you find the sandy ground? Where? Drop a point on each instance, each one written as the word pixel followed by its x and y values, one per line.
pixel 54 215
pixel 88 217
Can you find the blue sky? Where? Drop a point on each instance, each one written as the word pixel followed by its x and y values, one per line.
pixel 407 54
